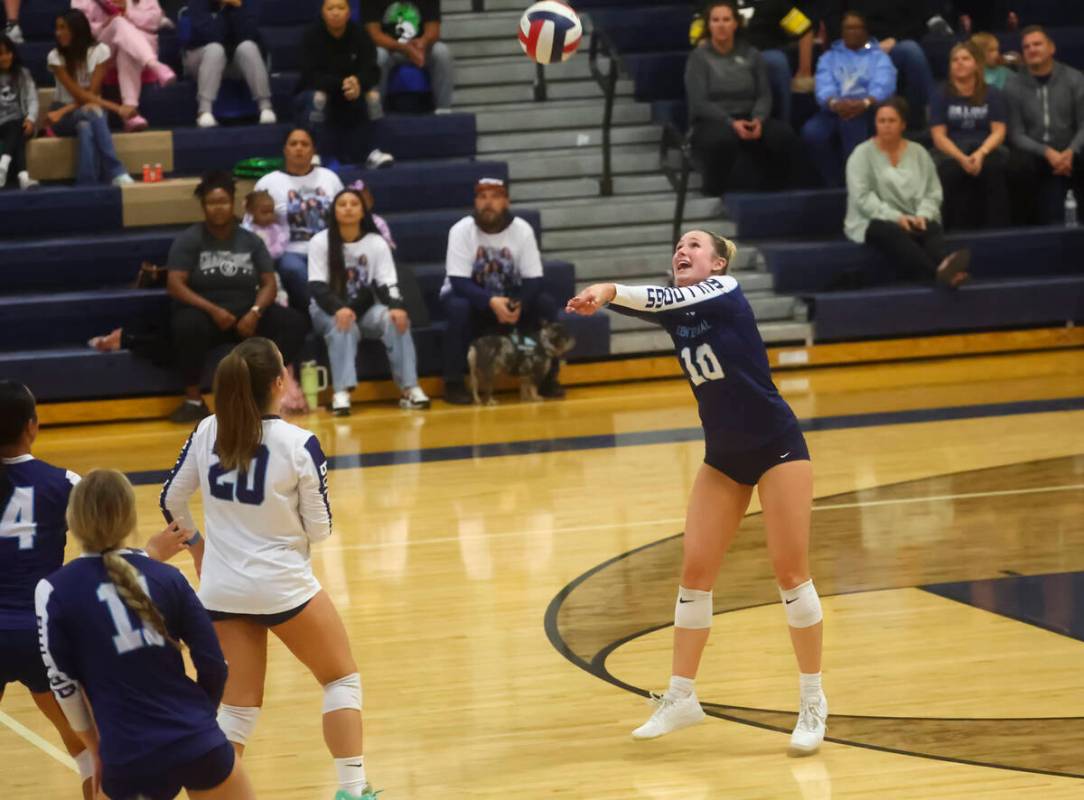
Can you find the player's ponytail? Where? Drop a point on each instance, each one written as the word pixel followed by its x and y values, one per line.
pixel 17 410
pixel 101 515
pixel 724 248
pixel 243 383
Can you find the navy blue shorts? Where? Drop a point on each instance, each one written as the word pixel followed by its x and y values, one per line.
pixel 270 620
pixel 748 466
pixel 20 660
pixel 147 782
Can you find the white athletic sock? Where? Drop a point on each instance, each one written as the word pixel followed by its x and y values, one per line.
pixel 193 402
pixel 351 774
pixel 5 162
pixel 680 687
pixel 810 684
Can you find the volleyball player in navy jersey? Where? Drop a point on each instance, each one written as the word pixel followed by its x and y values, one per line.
pixel 264 488
pixel 752 439
pixel 33 532
pixel 111 624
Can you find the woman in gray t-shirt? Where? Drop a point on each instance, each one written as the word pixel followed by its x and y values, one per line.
pixel 222 282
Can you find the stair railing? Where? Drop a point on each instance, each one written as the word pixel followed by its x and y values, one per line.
pixel 603 46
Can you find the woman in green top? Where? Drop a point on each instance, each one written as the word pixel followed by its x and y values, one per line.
pixel 894 203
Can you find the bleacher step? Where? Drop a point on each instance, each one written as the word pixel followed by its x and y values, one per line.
pixel 566 140
pixel 487 71
pixel 465 49
pixel 595 211
pixel 577 163
pixel 624 235
pixel 560 114
pixel 523 91
pixel 653 260
pixel 534 191
pixel 54 159
pixel 457 26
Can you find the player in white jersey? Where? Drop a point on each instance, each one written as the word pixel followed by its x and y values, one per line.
pixel 264 488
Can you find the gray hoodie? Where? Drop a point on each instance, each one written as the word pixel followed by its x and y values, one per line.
pixel 1046 116
pixel 720 88
pixel 18 97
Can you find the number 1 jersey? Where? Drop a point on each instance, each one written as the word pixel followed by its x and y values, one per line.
pixel 260 523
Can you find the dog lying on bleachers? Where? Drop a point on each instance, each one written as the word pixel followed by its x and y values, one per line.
pixel 530 361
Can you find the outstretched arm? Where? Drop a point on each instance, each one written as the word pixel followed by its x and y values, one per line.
pixel 653 299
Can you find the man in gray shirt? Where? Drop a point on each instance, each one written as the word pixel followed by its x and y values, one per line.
pixel 1046 131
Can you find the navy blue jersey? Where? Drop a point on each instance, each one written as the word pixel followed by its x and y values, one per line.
pixel 134 680
pixel 32 534
pixel 720 350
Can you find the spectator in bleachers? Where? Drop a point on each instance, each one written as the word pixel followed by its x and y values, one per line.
pixel 730 103
pixel 968 121
pixel 18 115
pixel 79 64
pixel 409 32
pixel 338 74
pixel 302 194
pixel 894 203
pixel 994 70
pixel 898 26
pixel 11 27
pixel 222 283
pixel 986 15
pixel 1046 130
pixel 224 40
pixel 783 33
pixel 852 79
pixel 493 284
pixel 130 29
pixel 355 296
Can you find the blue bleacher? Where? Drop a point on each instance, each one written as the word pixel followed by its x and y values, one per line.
pixel 808 213
pixel 649 29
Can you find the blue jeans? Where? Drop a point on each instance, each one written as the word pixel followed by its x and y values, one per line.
pixel 342 346
pixel 438 63
pixel 779 75
pixel 293 268
pixel 830 140
pixel 97 159
pixel 916 79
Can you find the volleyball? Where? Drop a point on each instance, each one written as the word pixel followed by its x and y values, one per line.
pixel 549 31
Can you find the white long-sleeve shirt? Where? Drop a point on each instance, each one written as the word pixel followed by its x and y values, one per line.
pixel 259 528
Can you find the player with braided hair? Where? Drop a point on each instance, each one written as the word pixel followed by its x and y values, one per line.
pixel 110 625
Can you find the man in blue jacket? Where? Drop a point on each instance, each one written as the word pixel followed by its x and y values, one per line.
pixel 852 78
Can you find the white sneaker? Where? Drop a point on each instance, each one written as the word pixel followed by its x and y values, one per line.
pixel 26 182
pixel 123 179
pixel 340 404
pixel 414 398
pixel 812 725
pixel 206 120
pixel 378 159
pixel 671 714
pixel 14 32
pixel 267 117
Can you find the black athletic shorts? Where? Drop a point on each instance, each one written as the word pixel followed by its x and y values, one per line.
pixel 150 781
pixel 748 466
pixel 20 661
pixel 269 620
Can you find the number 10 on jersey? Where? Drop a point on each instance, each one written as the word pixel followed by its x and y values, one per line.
pixel 702 366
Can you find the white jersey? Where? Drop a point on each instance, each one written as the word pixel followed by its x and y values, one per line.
pixel 258 529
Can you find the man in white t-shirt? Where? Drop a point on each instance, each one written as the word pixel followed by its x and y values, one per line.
pixel 492 284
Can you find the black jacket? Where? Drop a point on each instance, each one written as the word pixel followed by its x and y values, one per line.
pixel 886 19
pixel 326 61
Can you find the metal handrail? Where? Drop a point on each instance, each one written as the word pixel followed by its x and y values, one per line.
pixel 675 139
pixel 601 44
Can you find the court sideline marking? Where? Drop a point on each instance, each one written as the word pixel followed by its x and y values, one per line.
pixel 38 742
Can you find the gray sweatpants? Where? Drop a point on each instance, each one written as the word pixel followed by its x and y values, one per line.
pixel 208 65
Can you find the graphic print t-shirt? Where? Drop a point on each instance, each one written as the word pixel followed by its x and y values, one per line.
pixel 225 271
pixel 967 125
pixel 302 202
pixel 400 20
pixel 368 263
pixel 498 262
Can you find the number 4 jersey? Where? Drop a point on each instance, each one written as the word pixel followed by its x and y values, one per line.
pixel 723 356
pixel 260 523
pixel 32 533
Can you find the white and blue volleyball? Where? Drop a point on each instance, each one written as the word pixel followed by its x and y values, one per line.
pixel 549 32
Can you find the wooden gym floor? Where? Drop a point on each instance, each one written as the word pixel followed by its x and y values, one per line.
pixel 507 575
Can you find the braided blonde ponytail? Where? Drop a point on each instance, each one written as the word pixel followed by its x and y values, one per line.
pixel 101 515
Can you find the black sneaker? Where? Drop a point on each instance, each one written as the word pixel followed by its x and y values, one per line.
pixel 456 393
pixel 190 412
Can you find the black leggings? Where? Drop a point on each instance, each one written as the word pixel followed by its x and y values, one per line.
pixel 731 163
pixel 195 334
pixel 976 202
pixel 13 143
pixel 914 255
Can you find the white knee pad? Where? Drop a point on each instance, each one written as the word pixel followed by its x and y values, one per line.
pixel 802 605
pixel 84 762
pixel 693 609
pixel 343 693
pixel 238 722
